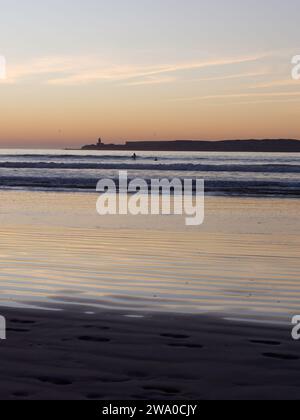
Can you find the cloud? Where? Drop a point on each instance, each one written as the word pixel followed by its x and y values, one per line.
pixel 152 81
pixel 233 76
pixel 44 65
pixel 275 83
pixel 80 70
pixel 266 101
pixel 240 95
pixel 119 73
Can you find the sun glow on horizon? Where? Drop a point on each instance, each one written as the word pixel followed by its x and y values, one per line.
pixel 110 74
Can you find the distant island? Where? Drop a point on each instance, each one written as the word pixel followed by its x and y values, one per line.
pixel 268 145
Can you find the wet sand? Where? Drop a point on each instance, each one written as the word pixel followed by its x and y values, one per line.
pixel 139 308
pixel 243 261
pixel 75 356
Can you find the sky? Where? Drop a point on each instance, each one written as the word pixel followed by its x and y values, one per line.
pixel 147 70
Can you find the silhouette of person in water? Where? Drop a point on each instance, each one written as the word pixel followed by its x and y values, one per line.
pixel 134 157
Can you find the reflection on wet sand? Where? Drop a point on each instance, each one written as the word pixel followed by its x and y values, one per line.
pixel 239 271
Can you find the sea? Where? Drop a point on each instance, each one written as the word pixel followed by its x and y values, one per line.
pixel 238 174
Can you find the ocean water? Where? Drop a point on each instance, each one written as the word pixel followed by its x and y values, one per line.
pixel 255 174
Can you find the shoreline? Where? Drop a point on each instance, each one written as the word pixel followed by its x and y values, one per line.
pixel 208 194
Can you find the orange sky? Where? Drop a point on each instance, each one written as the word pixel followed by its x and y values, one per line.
pixel 106 73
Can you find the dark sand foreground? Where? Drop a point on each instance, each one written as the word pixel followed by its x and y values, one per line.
pixel 73 355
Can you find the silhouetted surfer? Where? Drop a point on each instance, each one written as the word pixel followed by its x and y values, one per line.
pixel 134 157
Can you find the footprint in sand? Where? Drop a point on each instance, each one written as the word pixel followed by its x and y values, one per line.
pixel 18 330
pixel 55 381
pixel 162 389
pixel 266 342
pixel 281 356
pixel 181 337
pixel 94 339
pixel 21 394
pixel 186 345
pixel 96 327
pixel 175 336
pixel 22 321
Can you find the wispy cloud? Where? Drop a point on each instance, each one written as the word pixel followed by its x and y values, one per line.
pixel 157 80
pixel 119 73
pixel 240 95
pixel 78 70
pixel 233 76
pixel 275 83
pixel 41 66
pixel 267 101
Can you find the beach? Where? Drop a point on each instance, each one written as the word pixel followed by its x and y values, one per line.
pixel 144 307
pixel 106 356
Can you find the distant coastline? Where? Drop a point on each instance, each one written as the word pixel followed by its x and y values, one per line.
pixel 267 145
